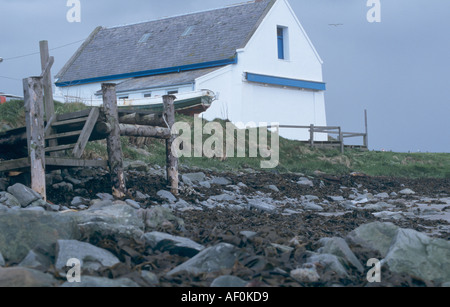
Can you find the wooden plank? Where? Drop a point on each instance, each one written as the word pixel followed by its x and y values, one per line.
pixel 366 136
pixel 67 162
pixel 311 136
pixel 352 135
pixel 63 135
pixel 12 165
pixel 48 66
pixel 140 119
pixel 73 115
pixel 69 122
pixel 48 127
pixel 86 133
pixel 145 131
pixel 172 161
pixel 113 141
pixel 59 148
pixel 34 117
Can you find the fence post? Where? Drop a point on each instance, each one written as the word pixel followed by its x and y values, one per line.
pixel 172 161
pixel 366 136
pixel 48 90
pixel 115 156
pixel 341 140
pixel 311 136
pixel 34 117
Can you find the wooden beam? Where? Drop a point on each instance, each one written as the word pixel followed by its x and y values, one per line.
pixel 69 122
pixel 73 115
pixel 67 162
pixel 34 117
pixel 140 119
pixel 86 133
pixel 311 136
pixel 136 130
pixel 59 148
pixel 12 165
pixel 341 141
pixel 113 140
pixel 172 161
pixel 46 64
pixel 366 136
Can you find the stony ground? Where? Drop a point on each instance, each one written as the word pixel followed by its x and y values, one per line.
pixel 226 229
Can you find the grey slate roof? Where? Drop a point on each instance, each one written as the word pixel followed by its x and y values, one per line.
pixel 215 35
pixel 165 80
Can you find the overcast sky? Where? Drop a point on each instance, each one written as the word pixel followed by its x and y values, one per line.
pixel 398 69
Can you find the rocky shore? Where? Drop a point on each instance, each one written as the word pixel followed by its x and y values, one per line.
pixel 249 228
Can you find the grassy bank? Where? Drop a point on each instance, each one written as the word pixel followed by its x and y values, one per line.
pixel 294 156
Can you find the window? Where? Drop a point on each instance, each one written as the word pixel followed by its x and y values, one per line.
pixel 147 95
pixel 144 38
pixel 281 40
pixel 123 97
pixel 172 92
pixel 188 31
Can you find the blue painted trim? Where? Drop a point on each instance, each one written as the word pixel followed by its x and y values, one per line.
pixel 153 72
pixel 312 85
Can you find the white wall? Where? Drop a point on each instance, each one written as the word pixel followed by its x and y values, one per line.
pixel 84 91
pixel 251 102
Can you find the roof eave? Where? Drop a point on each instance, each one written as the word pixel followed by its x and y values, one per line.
pixel 154 72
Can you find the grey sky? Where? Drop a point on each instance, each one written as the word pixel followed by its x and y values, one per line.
pixel 397 69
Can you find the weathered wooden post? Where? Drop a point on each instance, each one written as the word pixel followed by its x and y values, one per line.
pixel 311 136
pixel 113 141
pixel 172 161
pixel 366 136
pixel 341 140
pixel 46 64
pixel 34 117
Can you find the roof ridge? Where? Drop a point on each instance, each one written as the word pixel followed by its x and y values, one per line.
pixel 183 14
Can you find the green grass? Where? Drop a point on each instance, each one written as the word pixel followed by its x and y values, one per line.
pixel 294 156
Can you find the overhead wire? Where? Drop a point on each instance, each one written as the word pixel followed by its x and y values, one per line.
pixel 34 53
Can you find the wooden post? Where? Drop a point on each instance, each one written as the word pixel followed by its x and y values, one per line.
pixel 366 136
pixel 341 140
pixel 48 89
pixel 311 138
pixel 113 141
pixel 34 117
pixel 172 161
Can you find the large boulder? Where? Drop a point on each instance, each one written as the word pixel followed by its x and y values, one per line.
pixel 157 217
pixel 173 244
pixel 406 250
pixel 24 277
pixel 330 263
pixel 23 194
pixel 417 254
pixel 340 248
pixel 193 178
pixel 213 259
pixel 90 256
pixel 106 218
pixel 374 236
pixel 23 230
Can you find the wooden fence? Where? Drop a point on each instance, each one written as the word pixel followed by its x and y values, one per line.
pixel 59 141
pixel 341 136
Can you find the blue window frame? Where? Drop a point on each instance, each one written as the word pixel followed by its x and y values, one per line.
pixel 280 39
